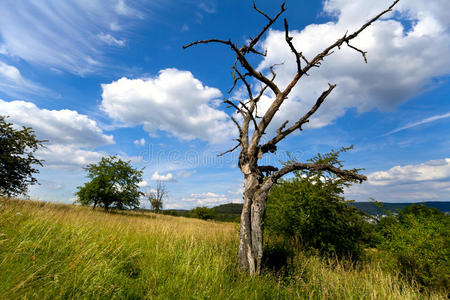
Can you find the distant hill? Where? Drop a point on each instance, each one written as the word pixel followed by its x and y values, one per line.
pixel 371 209
pixel 234 209
pixel 230 208
pixel 230 212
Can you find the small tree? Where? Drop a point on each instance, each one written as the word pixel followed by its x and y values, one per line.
pixel 202 212
pixel 253 123
pixel 311 209
pixel 114 183
pixel 157 197
pixel 17 160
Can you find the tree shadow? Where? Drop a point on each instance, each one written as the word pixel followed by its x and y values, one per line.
pixel 277 258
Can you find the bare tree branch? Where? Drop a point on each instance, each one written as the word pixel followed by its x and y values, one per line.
pixel 229 151
pixel 363 53
pixel 345 39
pixel 249 114
pixel 348 174
pixel 261 12
pixel 240 53
pixel 207 42
pixel 237 125
pixel 281 134
pixel 245 49
pixel 315 62
pixel 243 113
pixel 291 45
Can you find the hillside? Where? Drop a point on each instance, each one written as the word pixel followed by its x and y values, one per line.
pixel 371 209
pixel 231 211
pixel 50 251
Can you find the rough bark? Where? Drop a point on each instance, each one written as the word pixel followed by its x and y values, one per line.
pixel 257 185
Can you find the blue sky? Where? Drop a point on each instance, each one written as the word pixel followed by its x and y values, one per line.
pixel 110 77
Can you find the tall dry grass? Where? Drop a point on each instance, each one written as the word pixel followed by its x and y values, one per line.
pixel 50 251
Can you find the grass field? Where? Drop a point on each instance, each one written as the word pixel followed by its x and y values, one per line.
pixel 50 251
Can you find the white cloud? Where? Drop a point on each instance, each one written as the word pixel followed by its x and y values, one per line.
pixel 71 135
pixel 66 127
pixel 185 174
pixel 110 40
pixel 140 142
pixel 123 9
pixel 13 83
pixel 206 199
pixel 428 181
pixel 424 121
pixel 158 177
pixel 174 101
pixel 10 72
pixel 143 184
pixel 67 156
pixel 62 34
pixel 429 171
pixel 402 61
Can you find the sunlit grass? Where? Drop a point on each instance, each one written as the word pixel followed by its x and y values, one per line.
pixel 62 251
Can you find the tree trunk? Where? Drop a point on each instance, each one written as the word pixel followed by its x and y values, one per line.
pixel 251 230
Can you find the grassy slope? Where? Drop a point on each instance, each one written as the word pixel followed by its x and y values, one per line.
pixel 60 251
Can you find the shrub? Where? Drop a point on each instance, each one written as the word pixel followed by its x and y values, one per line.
pixel 310 209
pixel 203 213
pixel 418 240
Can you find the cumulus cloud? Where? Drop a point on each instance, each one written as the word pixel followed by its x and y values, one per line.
pixel 72 136
pixel 62 34
pixel 206 199
pixel 65 126
pixel 427 181
pixel 159 177
pixel 173 101
pixel 404 56
pixel 67 156
pixel 429 171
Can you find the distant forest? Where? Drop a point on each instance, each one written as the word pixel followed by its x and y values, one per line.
pixel 232 211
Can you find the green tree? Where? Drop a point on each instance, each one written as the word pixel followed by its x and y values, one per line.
pixel 203 213
pixel 114 183
pixel 310 208
pixel 17 160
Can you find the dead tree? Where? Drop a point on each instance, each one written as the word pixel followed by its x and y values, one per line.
pixel 252 128
pixel 157 197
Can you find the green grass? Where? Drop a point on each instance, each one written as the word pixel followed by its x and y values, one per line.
pixel 50 251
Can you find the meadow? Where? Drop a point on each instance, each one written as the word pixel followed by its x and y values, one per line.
pixel 53 251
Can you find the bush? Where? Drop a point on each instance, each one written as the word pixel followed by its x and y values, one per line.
pixel 418 240
pixel 203 213
pixel 310 209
